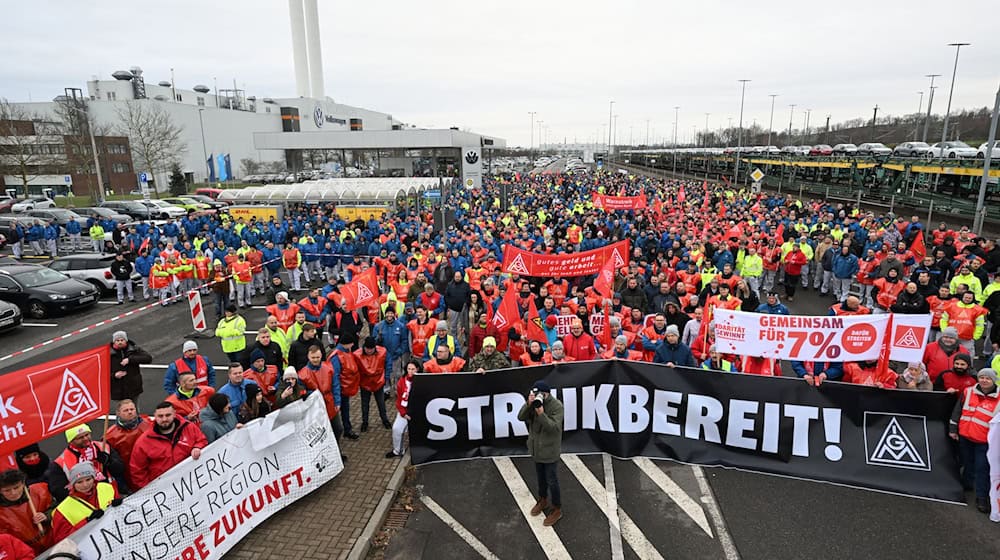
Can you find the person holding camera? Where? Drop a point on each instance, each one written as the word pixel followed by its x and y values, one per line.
pixel 543 414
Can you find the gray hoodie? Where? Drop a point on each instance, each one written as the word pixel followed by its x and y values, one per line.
pixel 215 425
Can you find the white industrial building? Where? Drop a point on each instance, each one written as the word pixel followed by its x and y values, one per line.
pixel 223 119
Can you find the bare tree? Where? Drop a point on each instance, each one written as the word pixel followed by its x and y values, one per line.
pixel 250 166
pixel 29 144
pixel 77 123
pixel 155 139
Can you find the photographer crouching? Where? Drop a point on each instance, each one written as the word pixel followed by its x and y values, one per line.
pixel 544 415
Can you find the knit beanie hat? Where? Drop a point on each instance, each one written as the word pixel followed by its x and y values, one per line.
pixel 218 402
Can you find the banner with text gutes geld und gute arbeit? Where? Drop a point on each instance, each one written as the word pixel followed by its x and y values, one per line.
pixel 201 508
pixel 563 265
pixel 888 440
pixel 44 400
pixel 845 338
pixel 612 203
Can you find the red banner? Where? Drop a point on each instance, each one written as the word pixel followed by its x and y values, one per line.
pixel 612 203
pixel 48 399
pixel 525 263
pixel 361 291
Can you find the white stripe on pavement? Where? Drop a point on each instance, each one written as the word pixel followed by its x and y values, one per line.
pixel 450 521
pixel 629 530
pixel 675 492
pixel 614 524
pixel 39 324
pixel 708 497
pixel 550 542
pixel 154 366
pixel 109 302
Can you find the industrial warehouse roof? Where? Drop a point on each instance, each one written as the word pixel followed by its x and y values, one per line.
pixel 335 190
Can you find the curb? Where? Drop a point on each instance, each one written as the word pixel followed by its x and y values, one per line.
pixel 361 547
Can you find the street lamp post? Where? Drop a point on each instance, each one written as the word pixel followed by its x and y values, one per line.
pixel 204 148
pixel 611 108
pixel 531 147
pixel 790 116
pixel 920 108
pixel 770 123
pixel 805 132
pixel 676 114
pixel 930 103
pixel 739 134
pixel 947 112
pixel 977 223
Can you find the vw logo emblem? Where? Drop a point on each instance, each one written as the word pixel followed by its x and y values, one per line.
pixel 318 116
pixel 471 157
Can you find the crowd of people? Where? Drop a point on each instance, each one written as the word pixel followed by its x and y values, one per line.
pixel 695 248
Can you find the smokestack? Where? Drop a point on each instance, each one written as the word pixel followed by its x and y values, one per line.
pixel 315 51
pixel 299 48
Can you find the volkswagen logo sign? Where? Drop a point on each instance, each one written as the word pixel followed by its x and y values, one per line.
pixel 318 116
pixel 471 157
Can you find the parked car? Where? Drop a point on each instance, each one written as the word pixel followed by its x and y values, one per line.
pixel 790 150
pixel 911 149
pixel 93 268
pixel 953 149
pixel 134 208
pixel 40 291
pixel 772 150
pixel 32 203
pixel 211 202
pixel 821 150
pixel 873 149
pixel 99 213
pixel 186 203
pixel 164 210
pixel 845 149
pixel 994 153
pixel 214 193
pixel 803 150
pixel 10 316
pixel 6 202
pixel 60 216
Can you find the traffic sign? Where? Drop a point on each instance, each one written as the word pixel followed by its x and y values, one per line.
pixel 757 175
pixel 144 178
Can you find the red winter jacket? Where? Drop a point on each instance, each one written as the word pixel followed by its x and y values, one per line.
pixel 938 361
pixel 580 348
pixel 403 394
pixel 154 453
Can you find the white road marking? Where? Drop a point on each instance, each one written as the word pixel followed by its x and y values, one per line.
pixel 629 530
pixel 107 302
pixel 550 542
pixel 39 324
pixel 154 366
pixel 258 307
pixel 614 523
pixel 708 497
pixel 450 521
pixel 675 493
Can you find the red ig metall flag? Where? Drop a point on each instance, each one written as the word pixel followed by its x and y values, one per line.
pixel 361 291
pixel 44 400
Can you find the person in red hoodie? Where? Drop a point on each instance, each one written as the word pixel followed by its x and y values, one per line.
pixel 12 548
pixel 171 440
pixel 87 501
pixel 190 398
pixel 402 420
pixel 578 344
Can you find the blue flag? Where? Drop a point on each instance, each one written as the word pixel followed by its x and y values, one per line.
pixel 229 167
pixel 211 168
pixel 221 162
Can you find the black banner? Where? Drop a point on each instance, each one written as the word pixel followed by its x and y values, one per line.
pixel 888 440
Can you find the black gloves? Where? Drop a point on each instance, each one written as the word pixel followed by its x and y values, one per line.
pixel 103 457
pixel 117 502
pixel 96 514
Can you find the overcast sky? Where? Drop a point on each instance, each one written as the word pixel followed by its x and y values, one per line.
pixel 485 65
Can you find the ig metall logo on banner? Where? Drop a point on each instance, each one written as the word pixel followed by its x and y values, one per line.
pixel 897 440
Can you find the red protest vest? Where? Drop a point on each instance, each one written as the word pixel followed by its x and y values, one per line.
pixel 290 258
pixel 321 380
pixel 977 411
pixel 420 334
pixel 349 378
pixel 201 373
pixel 201 268
pixel 285 317
pixel 839 310
pixel 372 368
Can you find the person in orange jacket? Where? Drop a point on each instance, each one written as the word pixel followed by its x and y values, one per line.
pixel 370 359
pixel 319 375
pixel 16 517
pixel 620 351
pixel 444 361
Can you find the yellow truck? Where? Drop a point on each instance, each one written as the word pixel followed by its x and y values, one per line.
pixel 263 213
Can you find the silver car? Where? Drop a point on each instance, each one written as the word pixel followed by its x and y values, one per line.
pixel 912 149
pixel 953 149
pixel 845 149
pixel 873 149
pixel 92 268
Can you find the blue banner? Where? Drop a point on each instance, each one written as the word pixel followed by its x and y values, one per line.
pixel 229 167
pixel 211 168
pixel 221 161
